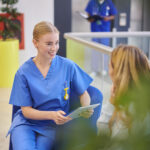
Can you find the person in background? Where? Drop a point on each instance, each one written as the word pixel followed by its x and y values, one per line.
pixel 127 64
pixel 101 13
pixel 41 90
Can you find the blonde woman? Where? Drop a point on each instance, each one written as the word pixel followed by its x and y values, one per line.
pixel 127 64
pixel 41 91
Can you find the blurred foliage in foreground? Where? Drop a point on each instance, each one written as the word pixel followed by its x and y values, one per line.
pixel 137 102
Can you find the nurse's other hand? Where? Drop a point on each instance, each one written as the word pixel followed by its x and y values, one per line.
pixel 87 114
pixel 59 118
pixel 91 20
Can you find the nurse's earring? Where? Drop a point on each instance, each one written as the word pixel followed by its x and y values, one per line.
pixel 66 94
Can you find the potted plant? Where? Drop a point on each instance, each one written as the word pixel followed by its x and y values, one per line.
pixel 10 27
pixel 9 43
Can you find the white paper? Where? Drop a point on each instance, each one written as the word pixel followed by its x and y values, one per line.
pixel 76 113
pixel 84 15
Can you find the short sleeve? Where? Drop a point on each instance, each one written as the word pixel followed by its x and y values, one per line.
pixel 20 94
pixel 113 10
pixel 80 80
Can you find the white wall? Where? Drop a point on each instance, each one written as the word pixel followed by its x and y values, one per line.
pixel 34 11
pixel 136 18
pixel 79 24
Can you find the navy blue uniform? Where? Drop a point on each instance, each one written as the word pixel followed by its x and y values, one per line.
pixel 105 9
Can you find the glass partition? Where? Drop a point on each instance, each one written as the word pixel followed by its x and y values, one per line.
pixel 93 57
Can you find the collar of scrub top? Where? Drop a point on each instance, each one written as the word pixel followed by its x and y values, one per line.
pixel 51 69
pixel 101 1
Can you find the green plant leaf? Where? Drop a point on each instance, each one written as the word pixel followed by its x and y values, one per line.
pixel 5 9
pixel 11 26
pixel 10 2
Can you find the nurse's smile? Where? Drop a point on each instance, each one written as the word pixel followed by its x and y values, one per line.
pixel 52 54
pixel 47 45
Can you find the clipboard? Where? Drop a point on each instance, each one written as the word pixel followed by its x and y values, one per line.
pixel 76 113
pixel 94 17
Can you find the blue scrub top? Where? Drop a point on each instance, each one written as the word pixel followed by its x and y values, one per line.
pixel 107 8
pixel 30 88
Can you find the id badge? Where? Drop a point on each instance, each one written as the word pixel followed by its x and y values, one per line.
pixel 98 22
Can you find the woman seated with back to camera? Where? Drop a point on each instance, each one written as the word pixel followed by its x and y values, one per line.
pixel 127 64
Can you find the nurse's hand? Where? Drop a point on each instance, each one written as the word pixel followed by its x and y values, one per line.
pixel 90 19
pixel 108 18
pixel 59 118
pixel 87 114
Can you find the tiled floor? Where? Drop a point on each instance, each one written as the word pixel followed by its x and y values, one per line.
pixel 5 108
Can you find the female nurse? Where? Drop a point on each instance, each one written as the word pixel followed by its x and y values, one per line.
pixel 41 90
pixel 107 11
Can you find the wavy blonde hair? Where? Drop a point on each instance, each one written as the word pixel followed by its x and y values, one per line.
pixel 128 64
pixel 43 28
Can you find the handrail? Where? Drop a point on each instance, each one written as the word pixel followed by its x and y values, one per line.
pixel 109 34
pixel 78 37
pixel 94 45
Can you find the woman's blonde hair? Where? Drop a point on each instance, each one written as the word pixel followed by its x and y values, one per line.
pixel 128 64
pixel 43 28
